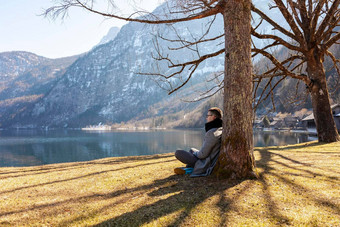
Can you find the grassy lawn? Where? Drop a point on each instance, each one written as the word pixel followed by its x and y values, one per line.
pixel 298 186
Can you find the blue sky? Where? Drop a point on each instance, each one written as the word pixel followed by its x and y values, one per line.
pixel 22 29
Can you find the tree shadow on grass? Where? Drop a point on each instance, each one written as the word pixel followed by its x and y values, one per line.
pixel 267 156
pixel 93 197
pixel 171 194
pixel 79 177
pixel 295 165
pixel 185 194
pixel 176 198
pixel 298 146
pixel 27 171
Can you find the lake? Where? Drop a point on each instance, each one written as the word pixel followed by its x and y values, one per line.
pixel 39 147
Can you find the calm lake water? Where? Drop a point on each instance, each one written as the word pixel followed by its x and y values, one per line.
pixel 38 147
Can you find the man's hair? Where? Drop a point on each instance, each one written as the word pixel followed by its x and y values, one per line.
pixel 217 112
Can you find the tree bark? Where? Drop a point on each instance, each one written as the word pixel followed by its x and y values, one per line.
pixel 236 157
pixel 323 117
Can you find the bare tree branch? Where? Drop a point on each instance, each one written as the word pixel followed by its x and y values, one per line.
pixel 282 67
pixel 211 91
pixel 331 42
pixel 61 9
pixel 316 15
pixel 334 60
pixel 276 38
pixel 273 23
pixel 294 6
pixel 326 21
pixel 270 93
pixel 290 20
pixel 189 44
pixel 180 67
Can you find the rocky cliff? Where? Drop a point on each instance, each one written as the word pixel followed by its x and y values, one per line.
pixel 25 78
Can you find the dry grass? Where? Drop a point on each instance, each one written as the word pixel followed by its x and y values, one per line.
pixel 299 186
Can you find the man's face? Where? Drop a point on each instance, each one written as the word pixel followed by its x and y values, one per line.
pixel 210 117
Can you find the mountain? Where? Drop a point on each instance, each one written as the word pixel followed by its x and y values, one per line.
pixel 105 85
pixel 109 83
pixel 24 79
pixel 111 35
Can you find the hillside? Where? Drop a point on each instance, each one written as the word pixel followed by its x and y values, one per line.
pixel 107 84
pixel 25 78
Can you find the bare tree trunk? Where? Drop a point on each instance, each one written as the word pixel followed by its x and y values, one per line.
pixel 322 111
pixel 236 157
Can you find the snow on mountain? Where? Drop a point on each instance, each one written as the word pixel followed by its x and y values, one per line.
pixel 105 84
pixel 24 79
pixel 111 35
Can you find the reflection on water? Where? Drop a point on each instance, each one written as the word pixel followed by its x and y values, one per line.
pixel 34 147
pixel 279 138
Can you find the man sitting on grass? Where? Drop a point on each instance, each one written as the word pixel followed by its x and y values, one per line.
pixel 201 162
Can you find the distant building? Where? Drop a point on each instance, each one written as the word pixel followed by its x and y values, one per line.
pixel 258 123
pixel 277 123
pixel 310 124
pixel 336 114
pixel 291 122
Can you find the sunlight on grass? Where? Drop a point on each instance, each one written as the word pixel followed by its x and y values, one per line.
pixel 165 220
pixel 298 186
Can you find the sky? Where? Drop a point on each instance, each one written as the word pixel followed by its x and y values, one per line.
pixel 22 29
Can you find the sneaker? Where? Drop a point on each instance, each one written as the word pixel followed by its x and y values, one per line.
pixel 188 170
pixel 179 171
